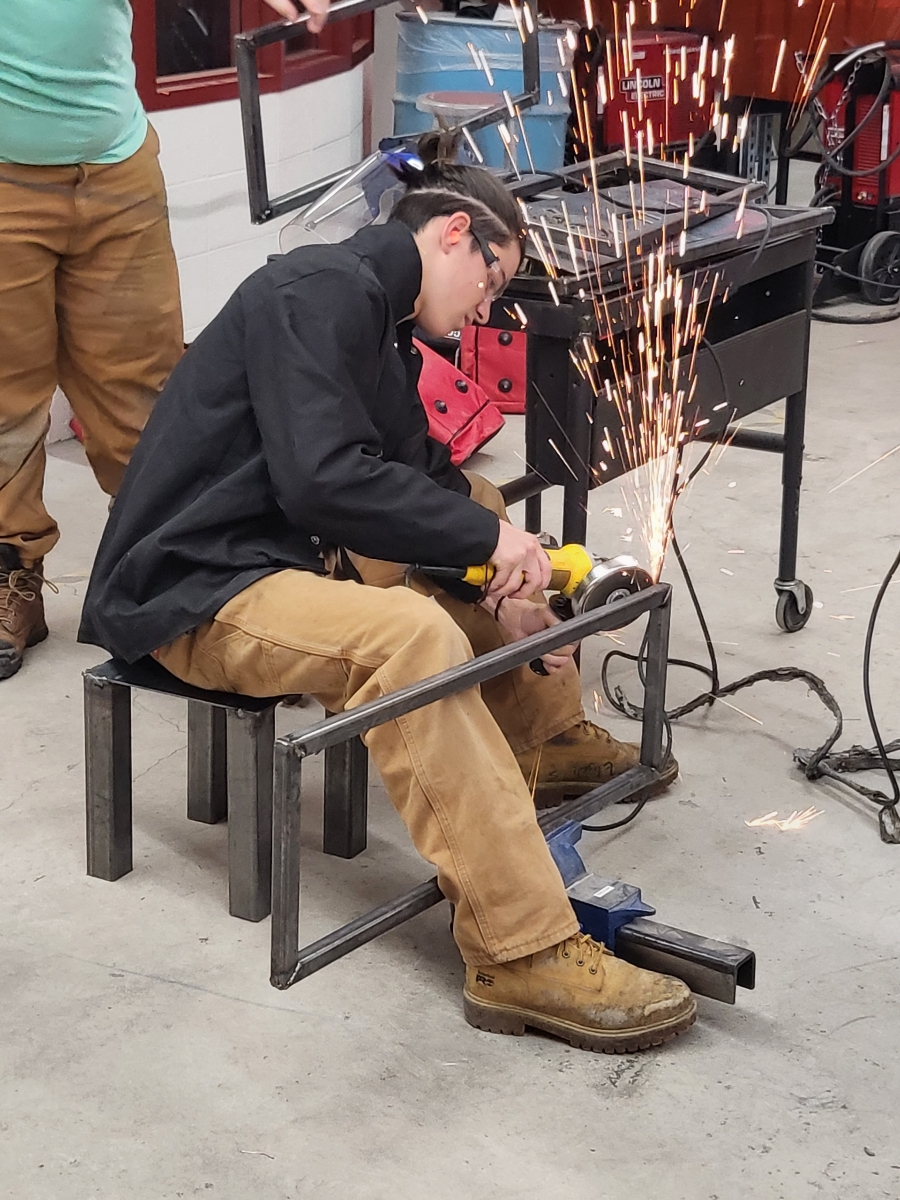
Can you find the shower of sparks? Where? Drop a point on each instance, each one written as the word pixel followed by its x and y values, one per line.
pixel 866 468
pixel 648 379
pixel 535 773
pixel 810 62
pixel 473 146
pixel 797 820
pixel 778 65
pixel 734 707
pixel 647 376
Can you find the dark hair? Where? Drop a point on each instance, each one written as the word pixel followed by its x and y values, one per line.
pixel 445 186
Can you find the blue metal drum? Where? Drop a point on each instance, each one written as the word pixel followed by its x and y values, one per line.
pixel 439 56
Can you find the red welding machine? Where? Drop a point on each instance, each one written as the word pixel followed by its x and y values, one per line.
pixel 657 91
pixel 866 100
pixel 856 111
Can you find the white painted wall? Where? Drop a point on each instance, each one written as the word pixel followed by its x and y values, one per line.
pixel 309 131
pixel 384 71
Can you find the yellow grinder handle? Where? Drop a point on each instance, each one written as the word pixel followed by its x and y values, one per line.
pixel 569 565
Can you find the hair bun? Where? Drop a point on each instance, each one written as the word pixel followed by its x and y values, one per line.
pixel 438 148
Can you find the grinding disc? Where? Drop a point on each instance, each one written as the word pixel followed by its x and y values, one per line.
pixel 610 580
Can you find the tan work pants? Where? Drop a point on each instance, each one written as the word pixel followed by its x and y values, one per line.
pixel 89 300
pixel 449 768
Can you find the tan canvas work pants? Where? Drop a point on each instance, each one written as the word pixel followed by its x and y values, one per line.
pixel 89 300
pixel 448 768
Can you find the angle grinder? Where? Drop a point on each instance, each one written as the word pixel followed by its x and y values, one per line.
pixel 583 581
pixel 580 580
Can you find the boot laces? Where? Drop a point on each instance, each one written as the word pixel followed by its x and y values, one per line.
pixel 586 951
pixel 595 732
pixel 17 586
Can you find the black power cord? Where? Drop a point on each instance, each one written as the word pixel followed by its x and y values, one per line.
pixel 667 750
pixel 859 758
pixel 815 763
pixel 880 317
pixel 827 75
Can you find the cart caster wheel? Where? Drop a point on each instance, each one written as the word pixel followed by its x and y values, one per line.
pixel 879 268
pixel 787 611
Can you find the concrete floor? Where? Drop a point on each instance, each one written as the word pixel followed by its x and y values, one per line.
pixel 143 1054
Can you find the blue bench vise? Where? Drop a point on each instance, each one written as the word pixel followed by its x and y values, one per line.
pixel 614 913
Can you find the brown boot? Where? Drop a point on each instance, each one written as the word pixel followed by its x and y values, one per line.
pixel 21 609
pixel 581 993
pixel 580 759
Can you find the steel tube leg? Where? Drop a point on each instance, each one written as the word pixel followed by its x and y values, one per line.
pixel 251 738
pixel 346 798
pixel 782 176
pixel 107 764
pixel 533 505
pixel 577 450
pixel 791 478
pixel 533 513
pixel 655 687
pixel 285 865
pixel 207 791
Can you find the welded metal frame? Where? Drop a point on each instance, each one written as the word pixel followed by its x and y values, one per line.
pixel 289 961
pixel 264 207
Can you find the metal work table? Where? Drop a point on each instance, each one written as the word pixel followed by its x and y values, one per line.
pixel 756 345
pixel 755 352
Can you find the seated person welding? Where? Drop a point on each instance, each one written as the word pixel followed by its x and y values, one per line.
pixel 291 437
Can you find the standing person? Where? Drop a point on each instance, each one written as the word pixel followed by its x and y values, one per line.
pixel 292 431
pixel 89 295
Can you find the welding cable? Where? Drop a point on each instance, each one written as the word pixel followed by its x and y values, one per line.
pixel 812 132
pixel 770 225
pixel 880 317
pixel 619 701
pixel 626 820
pixel 823 195
pixel 859 758
pixel 867 691
pixel 839 270
pixel 822 761
pixel 617 824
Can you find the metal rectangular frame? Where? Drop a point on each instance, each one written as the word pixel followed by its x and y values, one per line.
pixel 290 961
pixel 264 207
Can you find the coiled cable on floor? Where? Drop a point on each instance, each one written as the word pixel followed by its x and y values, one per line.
pixel 818 763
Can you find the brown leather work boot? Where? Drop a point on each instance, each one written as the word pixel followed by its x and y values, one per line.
pixel 21 609
pixel 581 993
pixel 579 759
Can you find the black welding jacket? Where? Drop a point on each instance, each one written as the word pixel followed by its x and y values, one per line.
pixel 292 424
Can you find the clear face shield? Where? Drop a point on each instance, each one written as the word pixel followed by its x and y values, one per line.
pixel 364 197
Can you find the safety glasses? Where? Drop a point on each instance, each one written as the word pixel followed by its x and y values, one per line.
pixel 496 283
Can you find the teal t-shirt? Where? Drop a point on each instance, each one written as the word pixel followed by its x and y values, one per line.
pixel 67 91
